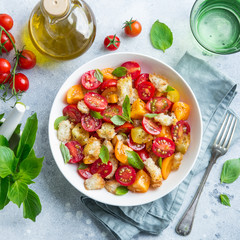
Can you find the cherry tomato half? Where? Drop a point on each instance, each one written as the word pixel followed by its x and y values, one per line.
pixel 111 111
pixel 84 173
pixel 73 113
pixel 143 154
pixel 76 151
pixel 21 82
pixel 141 78
pixel 4 77
pixel 178 130
pixel 133 69
pixel 163 147
pixel 108 83
pixel 125 175
pixel 7 43
pixel 111 42
pixel 99 167
pixel 89 81
pixel 27 59
pixel 146 90
pixel 5 65
pixel 95 101
pixel 150 126
pixel 89 123
pixel 125 128
pixel 6 21
pixel 158 105
pixel 134 146
pixel 132 28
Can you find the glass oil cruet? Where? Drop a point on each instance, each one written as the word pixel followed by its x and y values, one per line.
pixel 62 29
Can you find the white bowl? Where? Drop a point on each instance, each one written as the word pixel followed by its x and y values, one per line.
pixel 148 65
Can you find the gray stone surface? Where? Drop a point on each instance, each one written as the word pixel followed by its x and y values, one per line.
pixel 62 215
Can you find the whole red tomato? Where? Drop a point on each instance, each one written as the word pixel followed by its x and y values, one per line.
pixel 112 42
pixel 4 77
pixel 21 83
pixel 7 43
pixel 27 59
pixel 6 21
pixel 132 28
pixel 5 65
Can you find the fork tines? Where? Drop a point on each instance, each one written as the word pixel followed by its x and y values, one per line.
pixel 226 131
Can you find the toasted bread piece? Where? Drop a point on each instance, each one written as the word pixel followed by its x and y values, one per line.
pixel 64 132
pixel 112 185
pixel 95 182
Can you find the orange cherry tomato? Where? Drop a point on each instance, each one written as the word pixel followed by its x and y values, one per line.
pixel 74 94
pixel 181 110
pixel 107 73
pixel 132 28
pixel 167 166
pixel 120 152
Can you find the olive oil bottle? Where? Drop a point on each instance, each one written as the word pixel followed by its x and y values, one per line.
pixel 62 29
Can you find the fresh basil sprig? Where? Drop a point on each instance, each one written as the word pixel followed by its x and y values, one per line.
pixel 18 170
pixel 225 200
pixel 230 171
pixel 119 72
pixel 121 190
pixel 58 120
pixel 98 75
pixel 104 154
pixel 134 160
pixel 96 115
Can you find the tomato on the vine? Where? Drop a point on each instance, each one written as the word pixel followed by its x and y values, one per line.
pixel 112 42
pixel 21 83
pixel 7 44
pixel 132 28
pixel 27 59
pixel 5 66
pixel 6 21
pixel 4 77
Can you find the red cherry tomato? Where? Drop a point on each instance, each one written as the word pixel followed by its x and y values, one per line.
pixel 178 130
pixel 112 42
pixel 143 154
pixel 6 21
pixel 7 43
pixel 89 123
pixel 76 151
pixel 125 175
pixel 159 105
pixel 95 101
pixel 163 147
pixel 4 77
pixel 73 113
pixel 27 59
pixel 21 82
pixel 141 78
pixel 125 128
pixel 84 173
pixel 89 81
pixel 146 90
pixel 133 68
pixel 5 65
pixel 111 111
pixel 150 126
pixel 108 83
pixel 132 28
pixel 99 167
pixel 134 146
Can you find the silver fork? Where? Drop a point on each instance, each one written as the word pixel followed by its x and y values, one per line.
pixel 219 148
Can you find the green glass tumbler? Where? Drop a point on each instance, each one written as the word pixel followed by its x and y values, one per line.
pixel 215 25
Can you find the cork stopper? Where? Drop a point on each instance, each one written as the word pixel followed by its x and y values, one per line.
pixel 56 8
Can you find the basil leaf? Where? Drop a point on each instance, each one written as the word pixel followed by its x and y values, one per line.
pixel 104 154
pixel 150 115
pixel 4 186
pixel 7 161
pixel 31 205
pixel 82 166
pixel 98 75
pixel 134 160
pixel 58 120
pixel 96 115
pixel 119 72
pixel 160 162
pixel 3 141
pixel 117 120
pixel 230 171
pixel 1 116
pixel 27 138
pixel 18 192
pixel 121 190
pixel 65 153
pixel 225 200
pixel 169 89
pixel 126 107
pixel 161 36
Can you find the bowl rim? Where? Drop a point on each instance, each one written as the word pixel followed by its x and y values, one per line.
pixel 131 54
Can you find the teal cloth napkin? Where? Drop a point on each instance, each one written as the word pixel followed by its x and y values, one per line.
pixel 214 92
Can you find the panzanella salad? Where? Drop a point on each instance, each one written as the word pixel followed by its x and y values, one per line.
pixel 125 130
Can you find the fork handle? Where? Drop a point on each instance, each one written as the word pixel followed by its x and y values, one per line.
pixel 184 226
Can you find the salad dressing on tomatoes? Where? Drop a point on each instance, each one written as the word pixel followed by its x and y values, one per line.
pixel 62 29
